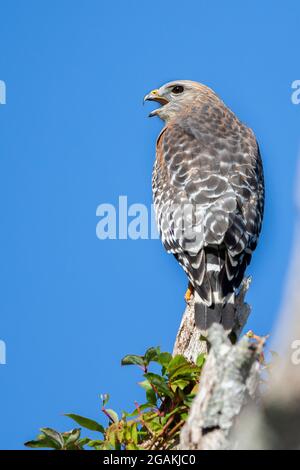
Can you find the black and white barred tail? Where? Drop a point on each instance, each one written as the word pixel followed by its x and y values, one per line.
pixel 214 296
pixel 205 316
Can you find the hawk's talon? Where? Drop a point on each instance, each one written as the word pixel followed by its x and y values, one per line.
pixel 189 293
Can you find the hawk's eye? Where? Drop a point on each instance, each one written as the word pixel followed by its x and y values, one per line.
pixel 177 89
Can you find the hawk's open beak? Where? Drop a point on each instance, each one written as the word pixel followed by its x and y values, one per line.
pixel 155 96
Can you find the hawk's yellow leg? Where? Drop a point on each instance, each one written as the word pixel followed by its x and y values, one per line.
pixel 189 293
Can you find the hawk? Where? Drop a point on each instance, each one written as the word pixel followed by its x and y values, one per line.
pixel 208 190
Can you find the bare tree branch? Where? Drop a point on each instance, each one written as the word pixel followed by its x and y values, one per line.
pixel 275 423
pixel 188 341
pixel 229 377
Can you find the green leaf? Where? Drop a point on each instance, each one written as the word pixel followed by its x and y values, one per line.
pixel 203 338
pixel 42 442
pixel 133 359
pixel 180 383
pixel 104 446
pixel 200 360
pixel 153 422
pixel 114 416
pixel 184 415
pixel 145 384
pixel 54 436
pixel 188 400
pixel 164 359
pixel 132 446
pixel 86 422
pixel 151 396
pixel 159 383
pixel 84 441
pixel 105 398
pixel 180 366
pixel 72 437
pixel 112 439
pixel 177 411
pixel 185 371
pixel 95 443
pixel 151 355
pixel 134 433
pixel 176 361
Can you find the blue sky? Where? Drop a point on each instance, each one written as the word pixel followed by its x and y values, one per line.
pixel 74 135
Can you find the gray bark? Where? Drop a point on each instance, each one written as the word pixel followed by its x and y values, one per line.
pixel 229 377
pixel 275 423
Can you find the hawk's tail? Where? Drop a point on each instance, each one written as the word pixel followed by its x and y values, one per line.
pixel 214 298
pixel 206 315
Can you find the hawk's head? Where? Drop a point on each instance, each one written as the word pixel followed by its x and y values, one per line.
pixel 178 96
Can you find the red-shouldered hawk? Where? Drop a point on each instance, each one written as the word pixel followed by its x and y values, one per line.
pixel 208 191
